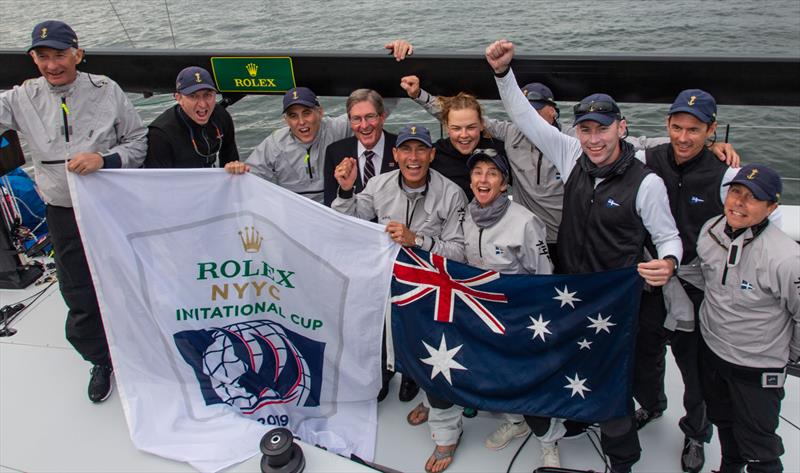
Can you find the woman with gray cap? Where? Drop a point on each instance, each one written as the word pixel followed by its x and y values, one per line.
pixel 503 236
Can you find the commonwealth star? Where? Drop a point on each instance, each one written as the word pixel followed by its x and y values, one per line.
pixel 442 360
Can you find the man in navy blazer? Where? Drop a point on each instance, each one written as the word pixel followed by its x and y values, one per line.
pixel 371 145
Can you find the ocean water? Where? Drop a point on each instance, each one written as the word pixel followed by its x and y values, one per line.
pixel 769 135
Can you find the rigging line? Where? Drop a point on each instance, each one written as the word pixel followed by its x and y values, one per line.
pixel 174 46
pixel 789 422
pixel 122 24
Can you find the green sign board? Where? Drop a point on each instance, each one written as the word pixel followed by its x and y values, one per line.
pixel 253 74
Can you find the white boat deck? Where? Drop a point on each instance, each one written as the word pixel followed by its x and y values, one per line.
pixel 48 424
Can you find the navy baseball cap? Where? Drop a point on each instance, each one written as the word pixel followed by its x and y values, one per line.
pixel 763 182
pixel 601 108
pixel 414 132
pixel 539 95
pixel 697 102
pixel 192 79
pixel 490 155
pixel 53 34
pixel 300 96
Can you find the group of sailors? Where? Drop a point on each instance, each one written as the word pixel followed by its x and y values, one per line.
pixel 722 279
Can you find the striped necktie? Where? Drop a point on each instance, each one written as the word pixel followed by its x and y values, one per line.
pixel 369 167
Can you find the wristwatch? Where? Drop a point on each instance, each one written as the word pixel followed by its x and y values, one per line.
pixel 674 262
pixel 419 240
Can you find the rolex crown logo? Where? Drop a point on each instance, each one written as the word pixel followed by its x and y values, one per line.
pixel 252 69
pixel 251 239
pixel 43 34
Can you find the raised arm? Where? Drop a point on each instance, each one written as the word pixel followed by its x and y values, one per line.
pixel 562 150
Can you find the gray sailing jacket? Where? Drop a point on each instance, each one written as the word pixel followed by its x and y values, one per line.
pixel 281 158
pixel 537 183
pixel 99 118
pixel 751 312
pixel 515 244
pixel 437 215
pixel 288 162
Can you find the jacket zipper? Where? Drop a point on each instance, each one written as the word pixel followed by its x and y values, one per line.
pixel 480 246
pixel 64 113
pixel 539 169
pixel 585 227
pixel 308 164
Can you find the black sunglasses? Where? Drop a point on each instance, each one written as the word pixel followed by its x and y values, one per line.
pixel 534 96
pixel 595 107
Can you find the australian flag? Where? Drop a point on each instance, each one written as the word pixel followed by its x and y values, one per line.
pixel 557 345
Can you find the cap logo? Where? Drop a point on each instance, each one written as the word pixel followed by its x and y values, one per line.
pixel 197 78
pixel 43 34
pixel 692 99
pixel 252 69
pixel 413 130
pixel 525 92
pixel 752 175
pixel 294 95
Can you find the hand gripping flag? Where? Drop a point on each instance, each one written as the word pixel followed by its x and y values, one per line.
pixel 555 345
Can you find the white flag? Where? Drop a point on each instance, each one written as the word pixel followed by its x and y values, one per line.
pixel 233 306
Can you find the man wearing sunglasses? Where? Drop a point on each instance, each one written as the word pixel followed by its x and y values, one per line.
pixel 612 202
pixel 749 320
pixel 293 156
pixel 194 133
pixel 370 144
pixel 73 122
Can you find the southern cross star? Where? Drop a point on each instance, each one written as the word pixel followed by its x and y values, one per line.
pixel 566 297
pixel 600 324
pixel 442 360
pixel 585 344
pixel 539 327
pixel 577 386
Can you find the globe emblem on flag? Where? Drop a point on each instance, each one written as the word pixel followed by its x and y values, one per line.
pixel 248 365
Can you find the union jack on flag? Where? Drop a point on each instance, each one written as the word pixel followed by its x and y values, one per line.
pixel 556 345
pixel 431 275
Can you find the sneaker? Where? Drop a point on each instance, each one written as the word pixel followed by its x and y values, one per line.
pixel 693 457
pixel 644 417
pixel 550 455
pixel 505 433
pixel 100 383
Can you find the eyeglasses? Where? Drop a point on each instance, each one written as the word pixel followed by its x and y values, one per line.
pixel 595 107
pixel 370 118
